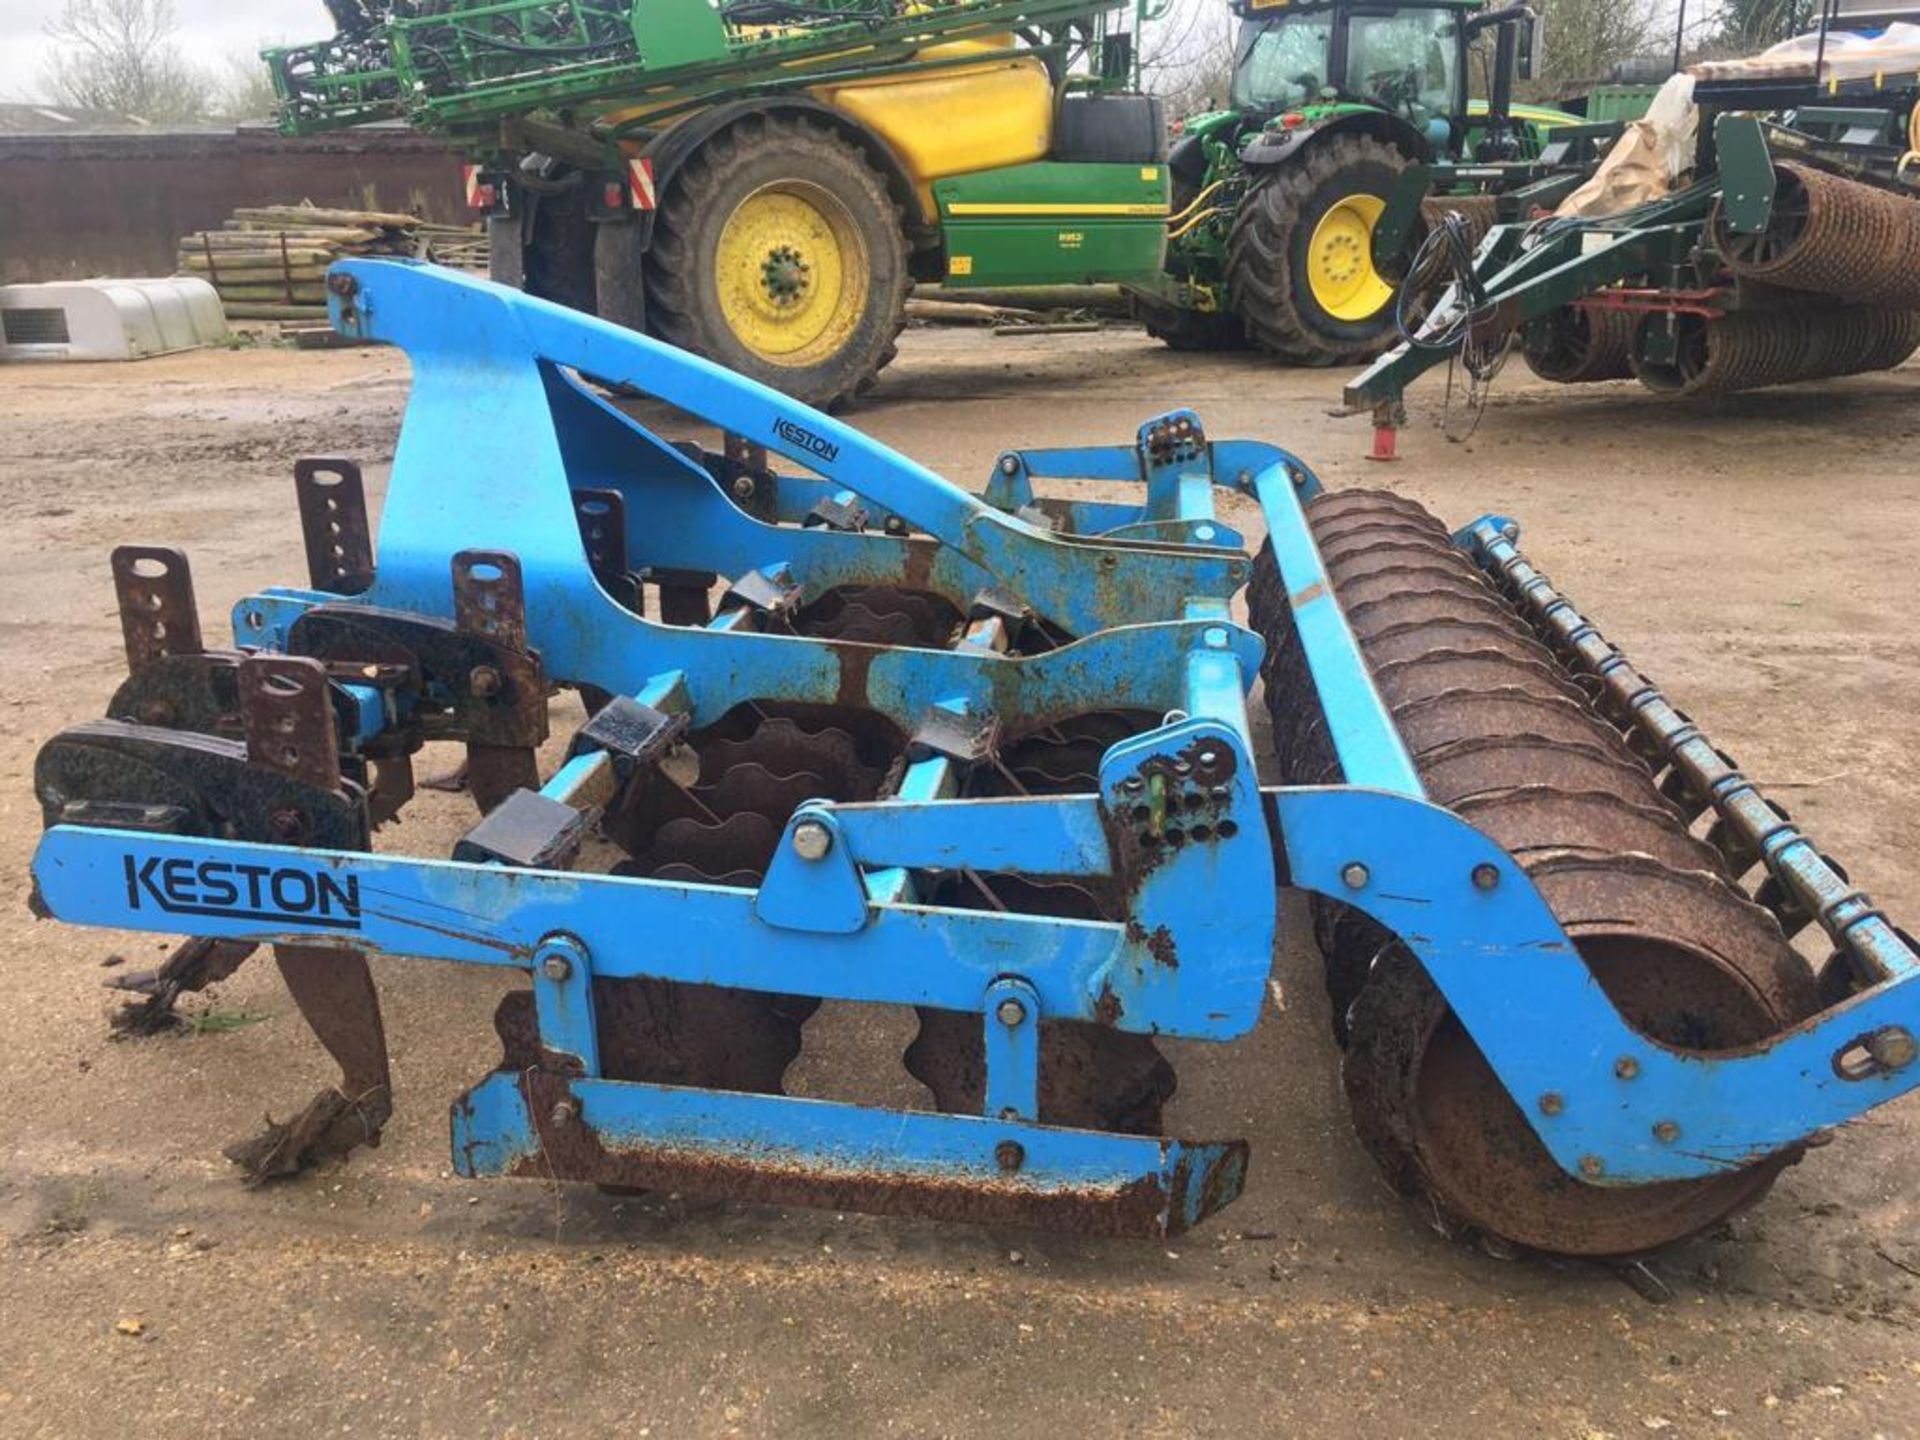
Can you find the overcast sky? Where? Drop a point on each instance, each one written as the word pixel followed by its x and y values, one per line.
pixel 209 30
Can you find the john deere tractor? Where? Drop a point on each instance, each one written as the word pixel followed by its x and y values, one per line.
pixel 1276 198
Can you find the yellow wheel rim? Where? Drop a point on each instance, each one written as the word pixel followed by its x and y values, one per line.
pixel 1340 269
pixel 792 272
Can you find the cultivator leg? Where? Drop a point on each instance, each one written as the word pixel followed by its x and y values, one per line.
pixel 987 758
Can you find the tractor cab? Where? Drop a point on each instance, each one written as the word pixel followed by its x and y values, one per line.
pixel 1305 62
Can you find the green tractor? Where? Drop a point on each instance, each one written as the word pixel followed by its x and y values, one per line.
pixel 1276 199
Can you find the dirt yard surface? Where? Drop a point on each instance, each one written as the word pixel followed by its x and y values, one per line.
pixel 1758 560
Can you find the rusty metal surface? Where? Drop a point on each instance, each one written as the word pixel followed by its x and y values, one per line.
pixel 154 588
pixel 335 995
pixel 1578 345
pixel 193 965
pixel 287 714
pixel 881 615
pixel 1833 236
pixel 333 523
pixel 1752 349
pixel 571 1150
pixel 489 599
pixel 1091 1076
pixel 183 692
pixel 1695 967
pixel 718 824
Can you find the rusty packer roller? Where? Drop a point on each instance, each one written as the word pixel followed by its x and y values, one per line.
pixel 1752 349
pixel 1831 236
pixel 854 735
pixel 1579 344
pixel 1507 736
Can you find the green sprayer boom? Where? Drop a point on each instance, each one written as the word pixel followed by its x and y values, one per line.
pixel 451 64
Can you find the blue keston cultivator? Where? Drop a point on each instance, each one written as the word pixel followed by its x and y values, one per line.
pixel 858 735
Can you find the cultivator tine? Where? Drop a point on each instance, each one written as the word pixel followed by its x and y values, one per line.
pixel 193 965
pixel 334 992
pixel 489 601
pixel 288 714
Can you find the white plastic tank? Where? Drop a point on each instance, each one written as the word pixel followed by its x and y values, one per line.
pixel 108 319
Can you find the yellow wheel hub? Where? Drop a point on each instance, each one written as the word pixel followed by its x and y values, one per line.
pixel 792 272
pixel 1340 269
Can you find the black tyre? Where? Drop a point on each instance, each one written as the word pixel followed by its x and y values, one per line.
pixel 1299 259
pixel 778 253
pixel 559 247
pixel 1180 329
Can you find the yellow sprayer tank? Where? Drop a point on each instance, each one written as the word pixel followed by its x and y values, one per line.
pixel 958 120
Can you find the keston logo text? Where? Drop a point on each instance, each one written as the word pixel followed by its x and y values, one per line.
pixel 243 892
pixel 813 444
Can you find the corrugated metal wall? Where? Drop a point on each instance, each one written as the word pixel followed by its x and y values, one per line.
pixel 73 206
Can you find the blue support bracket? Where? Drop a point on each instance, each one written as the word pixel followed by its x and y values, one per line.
pixel 563 1001
pixel 812 883
pixel 1012 1014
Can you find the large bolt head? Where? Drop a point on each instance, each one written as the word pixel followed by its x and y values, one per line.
pixel 1010 1013
pixel 1354 875
pixel 556 967
pixel 1892 1048
pixel 812 840
pixel 484 681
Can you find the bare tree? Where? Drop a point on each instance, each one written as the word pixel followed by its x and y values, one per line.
pixel 1752 25
pixel 1186 56
pixel 245 90
pixel 1585 39
pixel 119 55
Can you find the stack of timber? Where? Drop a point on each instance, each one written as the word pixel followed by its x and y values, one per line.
pixel 270 262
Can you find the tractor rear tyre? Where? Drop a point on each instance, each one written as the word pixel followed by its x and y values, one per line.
pixel 778 253
pixel 1300 256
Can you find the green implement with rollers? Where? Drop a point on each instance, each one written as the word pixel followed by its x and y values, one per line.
pixel 1795 255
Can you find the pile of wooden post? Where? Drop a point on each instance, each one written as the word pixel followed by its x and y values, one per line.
pixel 270 262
